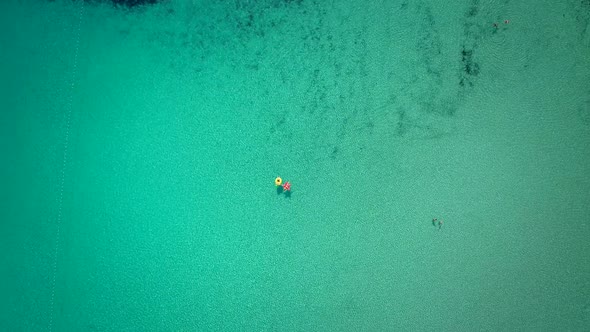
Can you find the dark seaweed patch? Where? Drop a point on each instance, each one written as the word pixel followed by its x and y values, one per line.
pixel 474 32
pixel 334 152
pixel 430 45
pixel 400 129
pixel 472 12
pixel 470 67
pixel 133 3
pixel 127 3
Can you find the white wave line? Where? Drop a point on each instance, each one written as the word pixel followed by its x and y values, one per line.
pixel 64 164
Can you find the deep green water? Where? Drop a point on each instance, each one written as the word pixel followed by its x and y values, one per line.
pixel 140 146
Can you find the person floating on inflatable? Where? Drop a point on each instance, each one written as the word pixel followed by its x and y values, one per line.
pixel 287 186
pixel 283 187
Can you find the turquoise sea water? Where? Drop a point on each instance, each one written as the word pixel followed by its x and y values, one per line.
pixel 140 146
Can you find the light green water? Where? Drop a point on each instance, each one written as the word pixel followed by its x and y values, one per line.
pixel 140 147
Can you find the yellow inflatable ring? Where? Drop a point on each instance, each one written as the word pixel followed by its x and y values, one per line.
pixel 278 181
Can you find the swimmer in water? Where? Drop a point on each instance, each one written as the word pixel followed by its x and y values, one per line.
pixel 434 221
pixel 440 224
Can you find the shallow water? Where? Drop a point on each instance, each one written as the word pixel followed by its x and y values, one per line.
pixel 140 147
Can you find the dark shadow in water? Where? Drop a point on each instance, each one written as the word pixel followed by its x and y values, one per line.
pixel 127 3
pixel 280 190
